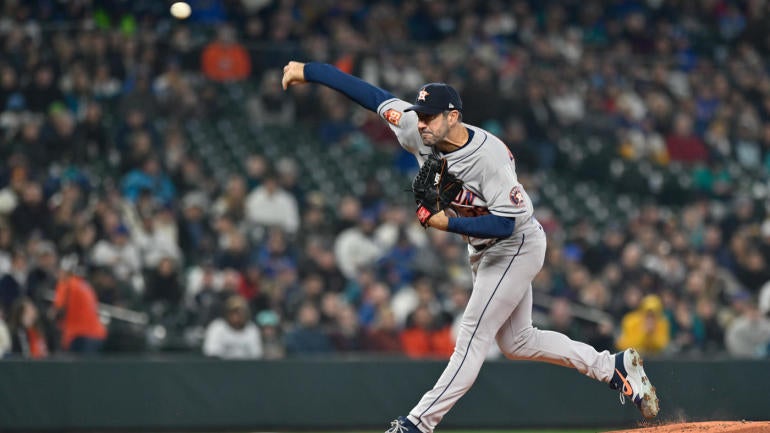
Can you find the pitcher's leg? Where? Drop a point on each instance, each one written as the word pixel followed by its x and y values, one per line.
pixel 500 284
pixel 473 341
pixel 518 339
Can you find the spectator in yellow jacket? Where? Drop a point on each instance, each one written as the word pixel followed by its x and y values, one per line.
pixel 646 329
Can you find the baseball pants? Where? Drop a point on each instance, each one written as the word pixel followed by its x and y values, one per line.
pixel 500 309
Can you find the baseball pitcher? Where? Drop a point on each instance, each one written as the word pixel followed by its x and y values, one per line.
pixel 467 184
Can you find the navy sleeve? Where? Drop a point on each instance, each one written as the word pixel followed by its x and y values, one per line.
pixel 484 226
pixel 365 94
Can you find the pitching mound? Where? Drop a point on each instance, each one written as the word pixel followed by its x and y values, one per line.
pixel 705 427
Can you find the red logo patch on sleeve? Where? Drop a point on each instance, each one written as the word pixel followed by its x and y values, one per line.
pixel 517 196
pixel 392 116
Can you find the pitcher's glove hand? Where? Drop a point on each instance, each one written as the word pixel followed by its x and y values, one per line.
pixel 434 188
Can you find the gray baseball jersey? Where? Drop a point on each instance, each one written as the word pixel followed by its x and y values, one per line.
pixel 485 165
pixel 500 307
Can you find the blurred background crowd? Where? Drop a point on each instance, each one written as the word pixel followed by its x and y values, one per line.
pixel 159 192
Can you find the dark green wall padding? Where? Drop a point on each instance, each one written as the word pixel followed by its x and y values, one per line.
pixel 201 394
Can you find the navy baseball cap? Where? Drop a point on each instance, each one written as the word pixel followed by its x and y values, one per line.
pixel 434 98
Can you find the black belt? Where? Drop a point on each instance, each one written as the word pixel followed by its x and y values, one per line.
pixel 481 248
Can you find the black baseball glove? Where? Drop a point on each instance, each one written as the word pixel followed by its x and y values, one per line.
pixel 434 188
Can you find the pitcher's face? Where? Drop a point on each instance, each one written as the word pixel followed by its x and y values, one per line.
pixel 433 127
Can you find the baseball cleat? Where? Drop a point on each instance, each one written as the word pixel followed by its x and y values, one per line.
pixel 631 380
pixel 402 425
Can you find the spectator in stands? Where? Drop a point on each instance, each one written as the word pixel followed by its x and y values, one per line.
pixel 682 144
pixel 234 253
pixel 347 335
pixel 105 86
pixel 319 259
pixel 58 134
pixel 120 255
pixel 747 148
pixel 337 126
pixel 163 284
pixel 272 340
pixel 42 91
pixel 307 337
pixel 374 299
pixel 15 174
pixel 9 86
pixel 175 95
pixel 396 262
pixel 26 148
pixel 31 215
pixel 596 295
pixel 92 140
pixel 310 289
pixel 13 284
pixel 27 334
pixel 149 177
pixel 256 168
pixel 744 214
pixel 156 235
pixel 425 336
pixel 269 205
pixel 136 125
pixel 76 310
pixel 415 338
pixel 109 290
pixel 749 334
pixel 43 271
pixel 233 336
pixel 560 319
pixel 275 253
pixel 646 328
pixel 688 334
pixel 64 205
pixel 288 173
pixel 383 336
pixel 538 116
pixel 232 202
pixel 752 269
pixel 251 287
pixel 408 298
pixel 270 106
pixel 203 288
pixel 137 96
pixel 225 59
pixel 706 311
pixel 5 336
pixel 84 238
pixel 356 247
pixel 331 304
pixel 196 237
pixel 608 249
pixel 603 337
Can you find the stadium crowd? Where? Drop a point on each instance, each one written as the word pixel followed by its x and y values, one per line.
pixel 103 200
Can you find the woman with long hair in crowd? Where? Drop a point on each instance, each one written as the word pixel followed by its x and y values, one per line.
pixel 27 335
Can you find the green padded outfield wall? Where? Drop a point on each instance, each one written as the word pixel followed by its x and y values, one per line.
pixel 201 394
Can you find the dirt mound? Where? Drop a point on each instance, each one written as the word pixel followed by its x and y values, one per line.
pixel 705 427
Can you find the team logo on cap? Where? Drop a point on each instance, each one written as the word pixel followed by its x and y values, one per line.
pixel 421 96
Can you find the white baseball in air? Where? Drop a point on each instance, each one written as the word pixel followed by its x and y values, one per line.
pixel 180 10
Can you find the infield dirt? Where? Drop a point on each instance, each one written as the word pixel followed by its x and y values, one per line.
pixel 704 427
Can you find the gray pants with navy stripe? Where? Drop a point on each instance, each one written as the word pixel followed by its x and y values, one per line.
pixel 500 309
